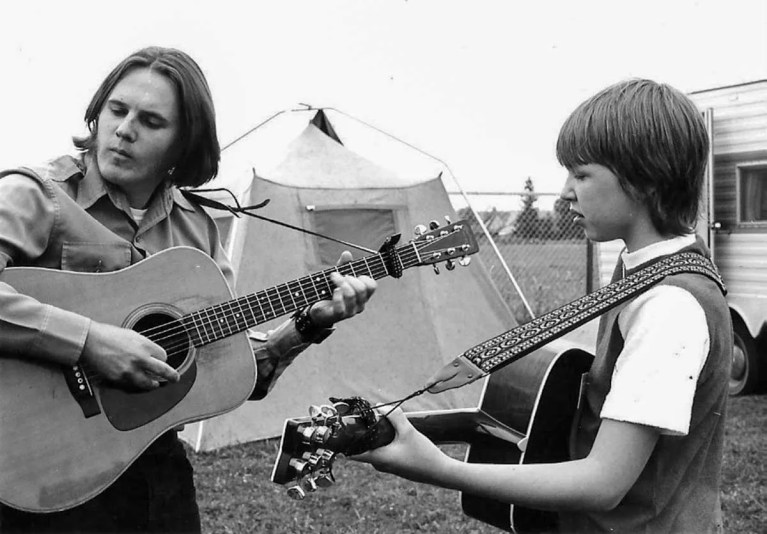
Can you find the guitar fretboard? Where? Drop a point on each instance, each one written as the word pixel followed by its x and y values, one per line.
pixel 223 320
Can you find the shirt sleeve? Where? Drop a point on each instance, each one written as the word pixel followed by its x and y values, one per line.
pixel 29 328
pixel 666 343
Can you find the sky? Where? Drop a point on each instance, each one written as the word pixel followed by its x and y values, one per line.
pixel 481 86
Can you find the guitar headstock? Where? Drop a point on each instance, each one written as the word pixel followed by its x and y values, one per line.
pixel 310 445
pixel 454 241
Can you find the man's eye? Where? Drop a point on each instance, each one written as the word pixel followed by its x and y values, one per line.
pixel 153 122
pixel 117 110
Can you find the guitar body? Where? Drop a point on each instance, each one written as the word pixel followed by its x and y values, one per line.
pixel 52 455
pixel 536 396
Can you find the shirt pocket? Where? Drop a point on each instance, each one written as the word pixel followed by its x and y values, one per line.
pixel 95 257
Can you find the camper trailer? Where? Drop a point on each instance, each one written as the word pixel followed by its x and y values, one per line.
pixel 733 219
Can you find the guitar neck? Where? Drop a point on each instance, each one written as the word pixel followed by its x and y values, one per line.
pixel 223 320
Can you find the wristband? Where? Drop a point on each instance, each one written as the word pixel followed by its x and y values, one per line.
pixel 307 329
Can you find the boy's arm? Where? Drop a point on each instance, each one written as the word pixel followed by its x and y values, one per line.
pixel 597 482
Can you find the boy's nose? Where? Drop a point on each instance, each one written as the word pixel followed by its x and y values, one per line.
pixel 567 192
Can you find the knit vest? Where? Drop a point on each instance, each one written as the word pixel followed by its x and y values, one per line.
pixel 678 490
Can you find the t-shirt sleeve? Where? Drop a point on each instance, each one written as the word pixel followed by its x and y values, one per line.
pixel 666 343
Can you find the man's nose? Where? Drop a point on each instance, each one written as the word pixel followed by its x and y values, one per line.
pixel 125 129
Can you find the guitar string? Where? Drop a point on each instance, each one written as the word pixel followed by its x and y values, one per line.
pixel 177 328
pixel 409 252
pixel 284 290
pixel 234 310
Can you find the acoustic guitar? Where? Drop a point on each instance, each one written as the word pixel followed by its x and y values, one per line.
pixel 525 415
pixel 65 436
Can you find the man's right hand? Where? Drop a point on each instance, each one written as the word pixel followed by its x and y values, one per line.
pixel 126 357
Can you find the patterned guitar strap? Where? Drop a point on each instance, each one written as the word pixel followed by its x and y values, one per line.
pixel 498 352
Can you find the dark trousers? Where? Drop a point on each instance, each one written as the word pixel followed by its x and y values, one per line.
pixel 155 495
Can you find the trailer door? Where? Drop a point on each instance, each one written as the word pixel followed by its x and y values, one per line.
pixel 706 227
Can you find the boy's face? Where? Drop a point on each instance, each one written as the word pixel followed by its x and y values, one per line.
pixel 600 205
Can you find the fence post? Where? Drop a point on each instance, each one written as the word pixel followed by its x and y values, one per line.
pixel 589 266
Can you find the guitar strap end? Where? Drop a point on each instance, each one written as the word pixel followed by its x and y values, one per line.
pixel 455 374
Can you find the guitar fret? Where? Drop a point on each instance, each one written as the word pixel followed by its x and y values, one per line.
pixel 212 322
pixel 278 302
pixel 255 320
pixel 193 317
pixel 242 315
pixel 261 308
pixel 297 294
pixel 367 266
pixel 265 297
pixel 204 330
pixel 323 294
pixel 290 294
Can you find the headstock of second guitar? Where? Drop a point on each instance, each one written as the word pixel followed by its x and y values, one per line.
pixel 310 445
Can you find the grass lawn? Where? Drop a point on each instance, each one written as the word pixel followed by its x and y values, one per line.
pixel 236 496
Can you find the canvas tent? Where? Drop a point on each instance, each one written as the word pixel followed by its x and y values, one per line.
pixel 411 327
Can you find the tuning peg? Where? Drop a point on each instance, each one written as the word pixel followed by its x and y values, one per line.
pixel 299 466
pixel 447 218
pixel 325 455
pixel 314 434
pixel 309 484
pixel 433 225
pixel 436 269
pixel 449 265
pixel 315 412
pixel 324 478
pixel 321 434
pixel 465 261
pixel 419 230
pixel 296 493
pixel 330 414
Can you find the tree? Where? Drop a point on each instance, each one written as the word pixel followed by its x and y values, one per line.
pixel 527 222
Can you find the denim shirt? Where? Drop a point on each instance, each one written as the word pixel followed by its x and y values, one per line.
pixel 65 216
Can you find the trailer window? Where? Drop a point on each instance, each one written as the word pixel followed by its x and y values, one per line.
pixel 752 189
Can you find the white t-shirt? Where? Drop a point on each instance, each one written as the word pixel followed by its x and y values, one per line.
pixel 666 343
pixel 138 215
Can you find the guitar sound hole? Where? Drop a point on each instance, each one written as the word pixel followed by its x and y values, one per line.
pixel 167 332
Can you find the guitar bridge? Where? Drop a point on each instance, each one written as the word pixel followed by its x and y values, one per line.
pixel 80 388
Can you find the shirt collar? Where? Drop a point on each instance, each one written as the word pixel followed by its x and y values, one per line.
pixel 632 260
pixel 93 187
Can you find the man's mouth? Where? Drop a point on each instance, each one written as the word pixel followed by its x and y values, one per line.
pixel 121 153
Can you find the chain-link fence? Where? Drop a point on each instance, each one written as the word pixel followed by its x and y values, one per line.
pixel 548 260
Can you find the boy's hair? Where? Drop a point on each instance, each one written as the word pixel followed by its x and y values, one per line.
pixel 199 151
pixel 653 138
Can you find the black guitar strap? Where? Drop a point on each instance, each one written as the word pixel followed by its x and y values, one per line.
pixel 498 352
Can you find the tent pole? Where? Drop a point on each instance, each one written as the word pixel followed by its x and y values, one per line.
pixel 465 197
